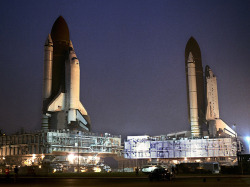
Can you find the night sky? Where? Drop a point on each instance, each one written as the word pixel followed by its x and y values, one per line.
pixel 132 60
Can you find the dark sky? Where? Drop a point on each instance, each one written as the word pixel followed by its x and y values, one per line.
pixel 132 60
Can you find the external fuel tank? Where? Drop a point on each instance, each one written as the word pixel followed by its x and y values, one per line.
pixel 193 47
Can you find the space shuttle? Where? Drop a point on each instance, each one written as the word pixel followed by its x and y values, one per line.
pixel 62 108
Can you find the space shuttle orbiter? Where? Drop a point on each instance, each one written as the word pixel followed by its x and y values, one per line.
pixel 62 108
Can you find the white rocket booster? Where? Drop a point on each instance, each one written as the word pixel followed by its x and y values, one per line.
pixel 192 88
pixel 73 86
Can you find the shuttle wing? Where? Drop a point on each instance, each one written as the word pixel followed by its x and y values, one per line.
pixel 58 103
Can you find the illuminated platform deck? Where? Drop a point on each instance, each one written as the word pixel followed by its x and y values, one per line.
pixel 146 147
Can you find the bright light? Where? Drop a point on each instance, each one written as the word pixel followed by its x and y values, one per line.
pixel 33 157
pixel 96 169
pixel 97 159
pixel 43 157
pixel 148 169
pixel 175 161
pixel 185 158
pixel 3 158
pixel 83 170
pixel 248 139
pixel 152 168
pixel 71 158
pixel 28 162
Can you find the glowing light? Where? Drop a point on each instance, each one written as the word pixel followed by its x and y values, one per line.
pixel 151 168
pixel 97 159
pixel 3 158
pixel 185 158
pixel 175 161
pixel 71 158
pixel 43 157
pixel 83 170
pixel 248 139
pixel 33 157
pixel 40 166
pixel 28 162
pixel 96 169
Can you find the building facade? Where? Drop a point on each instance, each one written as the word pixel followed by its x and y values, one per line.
pixel 172 150
pixel 63 147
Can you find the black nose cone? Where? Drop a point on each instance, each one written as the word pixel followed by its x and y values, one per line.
pixel 60 30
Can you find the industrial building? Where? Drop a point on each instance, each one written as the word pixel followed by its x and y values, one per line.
pixel 62 149
pixel 171 150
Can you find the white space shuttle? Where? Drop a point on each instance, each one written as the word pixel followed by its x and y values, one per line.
pixel 62 108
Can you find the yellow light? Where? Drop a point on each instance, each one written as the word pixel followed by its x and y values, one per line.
pixel 83 170
pixel 28 162
pixel 175 161
pixel 96 169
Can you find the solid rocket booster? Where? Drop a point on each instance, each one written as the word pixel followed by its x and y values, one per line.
pixel 192 88
pixel 47 74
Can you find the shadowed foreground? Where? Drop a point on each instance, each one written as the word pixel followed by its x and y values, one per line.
pixel 122 182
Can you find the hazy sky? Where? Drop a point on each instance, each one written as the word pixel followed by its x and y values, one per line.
pixel 132 60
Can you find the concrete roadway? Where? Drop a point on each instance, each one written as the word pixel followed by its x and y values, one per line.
pixel 201 181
